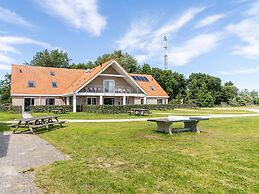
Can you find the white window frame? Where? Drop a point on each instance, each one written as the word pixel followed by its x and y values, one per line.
pixel 91 100
pixel 109 80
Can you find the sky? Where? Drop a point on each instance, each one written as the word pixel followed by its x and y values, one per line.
pixel 217 37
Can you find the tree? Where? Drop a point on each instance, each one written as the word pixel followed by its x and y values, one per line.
pixel 5 86
pixel 229 92
pixel 172 82
pixel 88 65
pixel 209 85
pixel 54 58
pixel 128 62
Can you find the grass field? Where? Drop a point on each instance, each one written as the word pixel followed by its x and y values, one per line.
pixel 132 158
pixel 6 116
pixel 84 115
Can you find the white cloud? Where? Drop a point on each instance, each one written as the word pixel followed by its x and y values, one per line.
pixel 81 14
pixel 5 67
pixel 145 37
pixel 8 46
pixel 241 71
pixel 248 32
pixel 210 20
pixel 192 48
pixel 254 9
pixel 11 17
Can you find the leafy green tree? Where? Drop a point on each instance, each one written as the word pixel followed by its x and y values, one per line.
pixel 128 62
pixel 88 65
pixel 209 85
pixel 229 92
pixel 172 82
pixel 146 69
pixel 5 86
pixel 54 58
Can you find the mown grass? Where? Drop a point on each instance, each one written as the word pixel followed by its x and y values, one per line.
pixel 132 158
pixel 93 116
pixel 7 116
pixel 4 127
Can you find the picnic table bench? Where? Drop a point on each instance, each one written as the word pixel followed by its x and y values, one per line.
pixel 60 110
pixel 36 122
pixel 165 124
pixel 139 111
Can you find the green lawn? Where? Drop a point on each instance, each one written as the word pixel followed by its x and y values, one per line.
pixel 84 115
pixel 6 116
pixel 132 158
pixel 204 111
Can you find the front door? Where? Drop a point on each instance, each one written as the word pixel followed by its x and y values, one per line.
pixel 108 101
pixel 27 103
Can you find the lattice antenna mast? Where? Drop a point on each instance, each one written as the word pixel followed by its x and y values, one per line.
pixel 165 51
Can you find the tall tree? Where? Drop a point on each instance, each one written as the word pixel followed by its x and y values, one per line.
pixel 229 92
pixel 128 62
pixel 54 58
pixel 5 86
pixel 211 85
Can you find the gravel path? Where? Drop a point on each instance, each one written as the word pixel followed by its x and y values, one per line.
pixel 19 153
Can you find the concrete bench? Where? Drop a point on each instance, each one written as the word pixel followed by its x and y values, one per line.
pixel 165 124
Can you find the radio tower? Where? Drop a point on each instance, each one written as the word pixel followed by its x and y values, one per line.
pixel 165 51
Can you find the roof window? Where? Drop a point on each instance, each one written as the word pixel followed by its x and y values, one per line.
pixel 152 88
pixel 31 84
pixel 52 73
pixel 54 84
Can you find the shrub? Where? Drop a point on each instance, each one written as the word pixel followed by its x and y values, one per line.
pixel 49 108
pixel 9 108
pixel 115 109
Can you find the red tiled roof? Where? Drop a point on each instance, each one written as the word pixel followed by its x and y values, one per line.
pixel 146 86
pixel 68 80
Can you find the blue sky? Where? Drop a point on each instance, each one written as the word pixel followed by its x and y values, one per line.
pixel 216 37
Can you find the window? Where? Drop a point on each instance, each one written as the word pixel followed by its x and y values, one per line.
pixel 109 86
pixel 54 84
pixel 50 101
pixel 52 73
pixel 31 84
pixel 152 88
pixel 159 101
pixel 108 101
pixel 91 101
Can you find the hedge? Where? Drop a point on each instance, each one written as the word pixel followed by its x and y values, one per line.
pixel 49 108
pixel 109 109
pixel 115 109
pixel 13 109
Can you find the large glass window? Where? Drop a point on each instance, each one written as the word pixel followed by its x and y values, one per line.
pixel 109 86
pixel 108 101
pixel 159 101
pixel 50 101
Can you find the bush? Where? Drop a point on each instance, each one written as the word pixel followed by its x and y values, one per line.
pixel 49 108
pixel 9 108
pixel 115 109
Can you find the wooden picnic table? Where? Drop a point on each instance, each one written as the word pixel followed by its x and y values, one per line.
pixel 165 124
pixel 139 111
pixel 59 110
pixel 36 122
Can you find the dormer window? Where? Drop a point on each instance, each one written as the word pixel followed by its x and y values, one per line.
pixel 52 73
pixel 152 88
pixel 31 84
pixel 54 84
